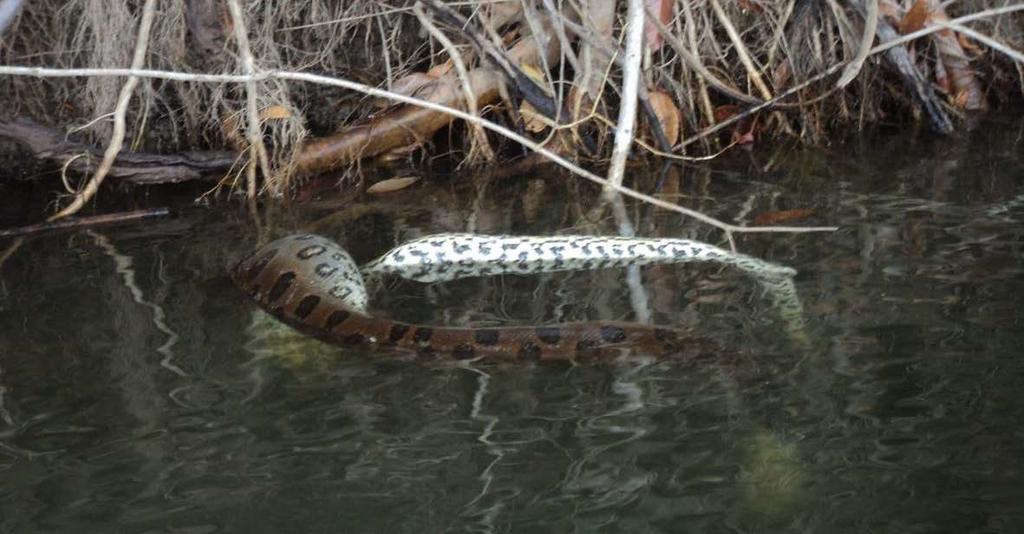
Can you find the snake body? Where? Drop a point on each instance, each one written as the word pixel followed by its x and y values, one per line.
pixel 444 257
pixel 313 285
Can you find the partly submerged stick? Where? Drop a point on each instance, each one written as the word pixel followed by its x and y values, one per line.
pixel 81 222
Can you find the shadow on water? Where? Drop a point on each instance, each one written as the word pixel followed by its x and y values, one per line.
pixel 138 388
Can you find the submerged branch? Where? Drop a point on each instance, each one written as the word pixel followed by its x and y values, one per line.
pixel 82 222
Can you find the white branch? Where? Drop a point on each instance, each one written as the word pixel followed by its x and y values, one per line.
pixel 627 105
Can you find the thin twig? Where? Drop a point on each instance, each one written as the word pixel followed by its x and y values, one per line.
pixel 117 136
pixel 741 50
pixel 257 150
pixel 693 61
pixel 627 105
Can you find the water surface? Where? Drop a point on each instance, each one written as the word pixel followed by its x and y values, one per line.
pixel 140 391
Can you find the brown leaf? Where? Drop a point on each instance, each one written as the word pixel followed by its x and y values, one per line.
pixel 392 184
pixel 962 98
pixel 663 9
pixel 534 73
pixel 915 18
pixel 533 120
pixel 440 70
pixel 725 111
pixel 967 44
pixel 775 217
pixel 275 112
pixel 748 5
pixel 667 113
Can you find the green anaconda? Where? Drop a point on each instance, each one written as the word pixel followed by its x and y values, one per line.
pixel 313 285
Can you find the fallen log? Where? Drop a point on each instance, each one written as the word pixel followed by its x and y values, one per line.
pixel 412 125
pixel 135 167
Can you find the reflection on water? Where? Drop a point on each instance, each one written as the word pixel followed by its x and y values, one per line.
pixel 139 389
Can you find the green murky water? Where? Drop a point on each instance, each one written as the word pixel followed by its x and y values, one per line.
pixel 139 392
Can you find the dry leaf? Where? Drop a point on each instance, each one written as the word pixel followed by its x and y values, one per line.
pixel 392 184
pixel 533 120
pixel 668 114
pixel 748 5
pixel 534 73
pixel 915 18
pixel 967 44
pixel 961 98
pixel 440 70
pixel 775 217
pixel 725 111
pixel 275 112
pixel 663 9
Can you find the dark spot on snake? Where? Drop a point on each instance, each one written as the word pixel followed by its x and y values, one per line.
pixel 335 318
pixel 306 306
pixel 259 264
pixel 529 351
pixel 613 334
pixel 324 270
pixel 586 345
pixel 665 336
pixel 313 250
pixel 422 334
pixel 426 352
pixel 305 237
pixel 463 351
pixel 398 331
pixel 486 336
pixel 353 339
pixel 280 286
pixel 550 335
